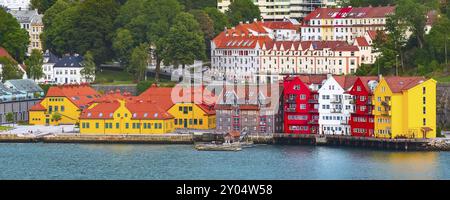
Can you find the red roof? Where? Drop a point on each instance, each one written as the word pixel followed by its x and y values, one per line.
pixel 279 25
pixel 346 82
pixel 147 110
pixel 38 107
pixel 399 84
pixel 81 95
pixel 4 53
pixel 349 12
pixel 366 79
pixel 362 42
pixel 104 110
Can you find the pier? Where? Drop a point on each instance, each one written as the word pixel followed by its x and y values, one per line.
pixel 275 139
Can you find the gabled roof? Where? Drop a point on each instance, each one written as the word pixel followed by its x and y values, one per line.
pixel 5 53
pixel 366 79
pixel 346 82
pixel 350 12
pixel 103 110
pixel 38 107
pixel 399 84
pixel 362 42
pixel 147 110
pixel 69 61
pixel 81 95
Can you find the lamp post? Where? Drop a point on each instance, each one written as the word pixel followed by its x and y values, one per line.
pixel 396 65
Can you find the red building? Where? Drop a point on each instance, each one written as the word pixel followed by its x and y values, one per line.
pixel 362 119
pixel 301 103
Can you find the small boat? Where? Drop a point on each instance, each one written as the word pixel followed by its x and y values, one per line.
pixel 218 147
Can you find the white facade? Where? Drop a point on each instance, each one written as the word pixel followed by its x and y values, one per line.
pixel 282 9
pixel 66 70
pixel 16 4
pixel 335 108
pixel 31 21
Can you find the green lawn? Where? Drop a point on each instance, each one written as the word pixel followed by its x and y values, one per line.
pixel 5 128
pixel 112 77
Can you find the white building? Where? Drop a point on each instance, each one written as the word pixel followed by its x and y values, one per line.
pixel 15 4
pixel 344 24
pixel 65 70
pixel 335 105
pixel 281 9
pixel 249 49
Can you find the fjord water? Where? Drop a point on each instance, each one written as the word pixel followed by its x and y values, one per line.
pixel 102 161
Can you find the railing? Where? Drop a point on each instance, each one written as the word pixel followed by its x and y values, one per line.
pixel 335 110
pixel 313 122
pixel 290 100
pixel 344 122
pixel 313 101
pixel 336 100
pixel 313 111
pixel 290 109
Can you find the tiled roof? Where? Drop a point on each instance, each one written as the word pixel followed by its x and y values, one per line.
pixel 399 84
pixel 103 110
pixel 349 12
pixel 279 25
pixel 37 107
pixel 147 110
pixel 81 95
pixel 346 82
pixel 69 61
pixel 315 45
pixel 4 53
pixel 366 79
pixel 162 95
pixel 362 42
pixel 27 16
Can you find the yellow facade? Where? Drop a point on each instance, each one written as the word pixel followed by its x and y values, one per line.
pixel 62 106
pixel 191 116
pixel 122 122
pixel 407 114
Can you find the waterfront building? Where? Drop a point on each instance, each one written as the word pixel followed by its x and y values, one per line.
pixel 5 54
pixel 301 103
pixel 405 107
pixel 15 4
pixel 188 105
pixel 362 119
pixel 335 105
pixel 344 24
pixel 17 97
pixel 251 109
pixel 279 10
pixel 31 21
pixel 126 116
pixel 65 101
pixel 50 60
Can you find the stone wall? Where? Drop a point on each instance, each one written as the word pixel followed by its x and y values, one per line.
pixel 123 88
pixel 443 105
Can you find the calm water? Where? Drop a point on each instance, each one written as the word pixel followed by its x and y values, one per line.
pixel 86 161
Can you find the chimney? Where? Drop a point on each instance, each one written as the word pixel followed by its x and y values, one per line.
pixel 329 75
pixel 246 22
pixel 240 22
pixel 380 76
pixel 255 20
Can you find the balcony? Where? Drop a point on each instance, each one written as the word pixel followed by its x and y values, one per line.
pixel 386 113
pixel 336 100
pixel 290 109
pixel 313 122
pixel 351 101
pixel 313 101
pixel 344 122
pixel 313 111
pixel 335 110
pixel 290 100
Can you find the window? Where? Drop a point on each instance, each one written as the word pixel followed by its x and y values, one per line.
pixel 176 121
pixel 302 96
pixel 127 125
pixel 424 100
pixel 62 109
pixel 424 121
pixel 302 106
pixel 200 121
pixel 97 125
pixel 424 90
pixel 424 110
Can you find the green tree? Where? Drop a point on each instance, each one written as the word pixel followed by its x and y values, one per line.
pixel 197 4
pixel 205 22
pixel 439 39
pixel 139 61
pixel 185 40
pixel 13 38
pixel 242 10
pixel 42 5
pixel 219 19
pixel 51 13
pixel 88 71
pixel 10 69
pixel 123 44
pixel 413 14
pixel 56 117
pixel 83 26
pixel 34 65
pixel 10 117
pixel 160 15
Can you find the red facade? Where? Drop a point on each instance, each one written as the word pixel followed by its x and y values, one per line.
pixel 362 119
pixel 300 104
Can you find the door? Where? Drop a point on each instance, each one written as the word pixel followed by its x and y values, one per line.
pixel 67 80
pixel 47 121
pixel 185 123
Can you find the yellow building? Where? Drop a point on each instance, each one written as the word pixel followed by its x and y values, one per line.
pixel 62 105
pixel 186 104
pixel 405 107
pixel 193 116
pixel 125 117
